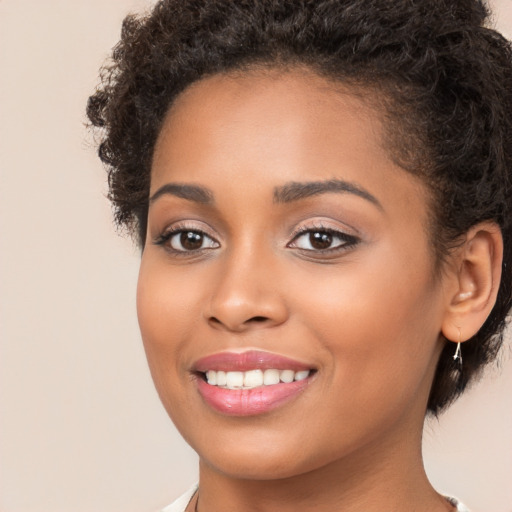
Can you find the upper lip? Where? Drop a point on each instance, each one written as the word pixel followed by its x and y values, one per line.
pixel 248 360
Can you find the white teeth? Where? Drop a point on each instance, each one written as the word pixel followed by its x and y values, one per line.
pixel 211 377
pixel 221 378
pixel 287 376
pixel 234 380
pixel 271 377
pixel 253 378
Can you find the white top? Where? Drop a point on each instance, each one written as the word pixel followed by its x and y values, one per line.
pixel 181 503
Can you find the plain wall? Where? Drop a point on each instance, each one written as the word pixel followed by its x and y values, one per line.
pixel 81 427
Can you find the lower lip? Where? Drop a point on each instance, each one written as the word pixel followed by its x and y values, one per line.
pixel 250 402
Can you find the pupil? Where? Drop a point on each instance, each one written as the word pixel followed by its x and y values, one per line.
pixel 320 240
pixel 190 240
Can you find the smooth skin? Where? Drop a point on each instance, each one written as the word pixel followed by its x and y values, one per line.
pixel 364 307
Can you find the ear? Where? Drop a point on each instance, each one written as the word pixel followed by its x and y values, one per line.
pixel 474 275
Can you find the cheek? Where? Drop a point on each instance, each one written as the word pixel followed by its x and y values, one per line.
pixel 377 322
pixel 167 309
pixel 167 299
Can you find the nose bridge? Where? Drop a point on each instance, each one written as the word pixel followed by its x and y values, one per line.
pixel 246 292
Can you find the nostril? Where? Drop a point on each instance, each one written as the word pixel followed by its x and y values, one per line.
pixel 257 319
pixel 235 323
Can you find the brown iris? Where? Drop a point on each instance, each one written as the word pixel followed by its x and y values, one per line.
pixel 320 240
pixel 191 240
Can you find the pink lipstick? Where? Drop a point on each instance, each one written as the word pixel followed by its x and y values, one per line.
pixel 251 382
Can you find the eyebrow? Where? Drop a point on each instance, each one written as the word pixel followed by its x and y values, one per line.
pixel 295 191
pixel 194 193
pixel 290 192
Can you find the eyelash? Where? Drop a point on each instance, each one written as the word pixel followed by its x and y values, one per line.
pixel 165 238
pixel 347 241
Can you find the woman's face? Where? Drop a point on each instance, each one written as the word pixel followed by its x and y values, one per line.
pixel 282 240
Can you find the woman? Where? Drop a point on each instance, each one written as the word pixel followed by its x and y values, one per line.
pixel 322 194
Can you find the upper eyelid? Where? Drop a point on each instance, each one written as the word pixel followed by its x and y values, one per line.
pixel 322 225
pixel 335 232
pixel 302 228
pixel 189 225
pixel 348 239
pixel 172 229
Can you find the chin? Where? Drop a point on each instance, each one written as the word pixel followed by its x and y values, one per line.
pixel 260 456
pixel 256 467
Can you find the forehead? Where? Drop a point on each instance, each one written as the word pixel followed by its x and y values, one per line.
pixel 260 129
pixel 272 113
pixel 244 93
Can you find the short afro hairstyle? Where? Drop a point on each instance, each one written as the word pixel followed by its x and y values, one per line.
pixel 443 76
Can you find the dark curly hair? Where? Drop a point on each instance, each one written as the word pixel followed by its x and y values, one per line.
pixel 440 76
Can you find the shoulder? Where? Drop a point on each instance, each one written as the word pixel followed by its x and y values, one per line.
pixel 181 503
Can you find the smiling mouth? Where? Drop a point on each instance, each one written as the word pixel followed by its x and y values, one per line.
pixel 250 383
pixel 253 378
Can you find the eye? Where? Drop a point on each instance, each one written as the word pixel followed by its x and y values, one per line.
pixel 322 240
pixel 186 240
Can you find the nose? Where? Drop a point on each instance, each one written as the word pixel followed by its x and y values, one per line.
pixel 246 295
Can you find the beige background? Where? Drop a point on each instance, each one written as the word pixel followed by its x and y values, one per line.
pixel 81 428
